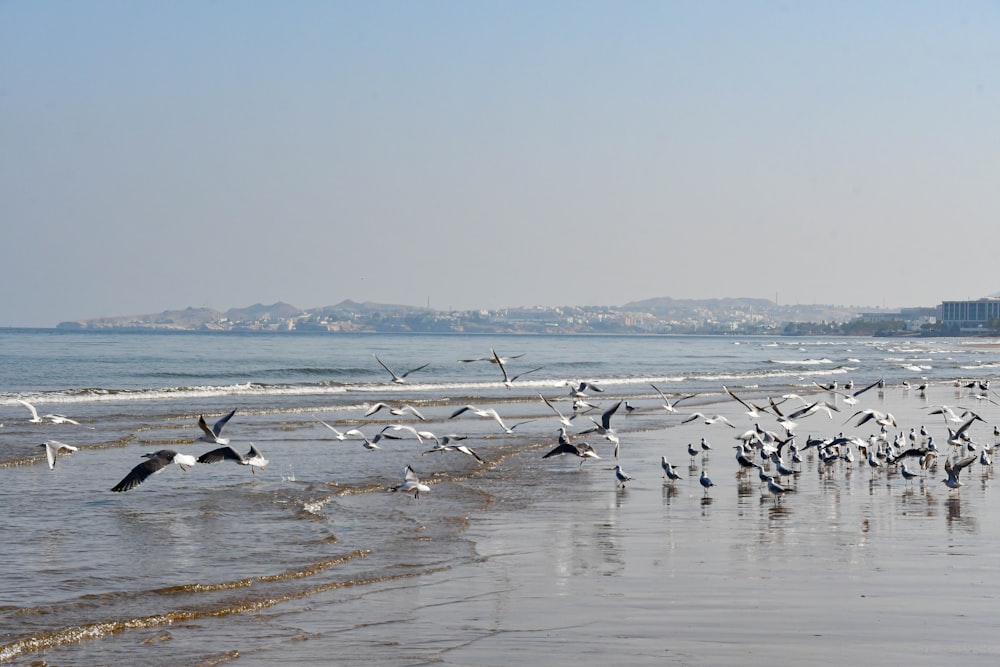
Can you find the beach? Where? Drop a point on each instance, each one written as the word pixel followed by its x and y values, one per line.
pixel 521 559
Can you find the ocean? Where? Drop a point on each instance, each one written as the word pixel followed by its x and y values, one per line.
pixel 314 560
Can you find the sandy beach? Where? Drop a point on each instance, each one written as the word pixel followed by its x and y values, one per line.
pixel 852 568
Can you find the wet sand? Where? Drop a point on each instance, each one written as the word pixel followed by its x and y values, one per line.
pixel 852 568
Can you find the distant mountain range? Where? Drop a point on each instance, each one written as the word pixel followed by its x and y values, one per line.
pixel 657 314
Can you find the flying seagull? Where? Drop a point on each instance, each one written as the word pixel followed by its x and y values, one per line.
pixel 667 404
pixel 252 458
pixel 35 419
pixel 398 379
pixel 53 447
pixel 411 483
pixel 154 463
pixel 214 434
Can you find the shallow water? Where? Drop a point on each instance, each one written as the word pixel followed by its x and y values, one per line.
pixel 313 560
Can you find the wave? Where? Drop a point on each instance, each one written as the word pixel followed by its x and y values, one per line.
pixel 801 362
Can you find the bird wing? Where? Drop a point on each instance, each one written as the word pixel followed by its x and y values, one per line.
pixel 220 454
pixel 395 377
pixel 221 424
pixel 606 417
pixel 34 412
pixel 414 370
pixel 139 473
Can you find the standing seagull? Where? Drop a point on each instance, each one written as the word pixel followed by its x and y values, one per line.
pixel 154 463
pixel 52 447
pixel 214 434
pixel 705 482
pixel 621 476
pixel 411 483
pixel 253 458
pixel 669 471
pixel 398 379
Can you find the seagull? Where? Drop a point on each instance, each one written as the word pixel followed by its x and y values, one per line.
pixel 584 450
pixel 368 444
pixel 487 412
pixel 252 458
pixel 667 405
pixel 507 380
pixel 669 471
pixel 493 358
pixel 444 445
pixel 604 427
pixel 398 412
pixel 52 448
pixel 154 463
pixel 954 469
pixel 852 398
pixel 340 435
pixel 61 419
pixel 214 434
pixel 563 419
pixel 705 481
pixel 777 490
pixel 621 476
pixel 752 410
pixel 906 472
pixel 714 419
pixel 580 390
pixel 411 483
pixel 35 419
pixel 398 379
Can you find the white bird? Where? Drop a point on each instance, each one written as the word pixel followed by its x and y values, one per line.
pixel 583 451
pixel 668 405
pixel 60 419
pixel 485 412
pixel 563 419
pixel 714 419
pixel 508 380
pixel 906 472
pixel 214 434
pixel 752 410
pixel 493 358
pixel 669 471
pixel 411 483
pixel 444 445
pixel 155 462
pixel 340 435
pixel 398 379
pixel 35 419
pixel 397 411
pixel 621 476
pixel 579 390
pixel 252 458
pixel 705 481
pixel 776 489
pixel 53 447
pixel 954 469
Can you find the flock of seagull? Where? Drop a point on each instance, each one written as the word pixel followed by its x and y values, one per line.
pixel 159 460
pixel 775 455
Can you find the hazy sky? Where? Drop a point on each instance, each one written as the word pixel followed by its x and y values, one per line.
pixel 160 155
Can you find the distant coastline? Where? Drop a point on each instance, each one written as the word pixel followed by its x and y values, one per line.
pixel 663 315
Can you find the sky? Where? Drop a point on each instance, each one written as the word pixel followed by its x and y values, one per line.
pixel 463 155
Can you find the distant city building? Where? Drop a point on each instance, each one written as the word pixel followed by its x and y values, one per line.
pixel 978 314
